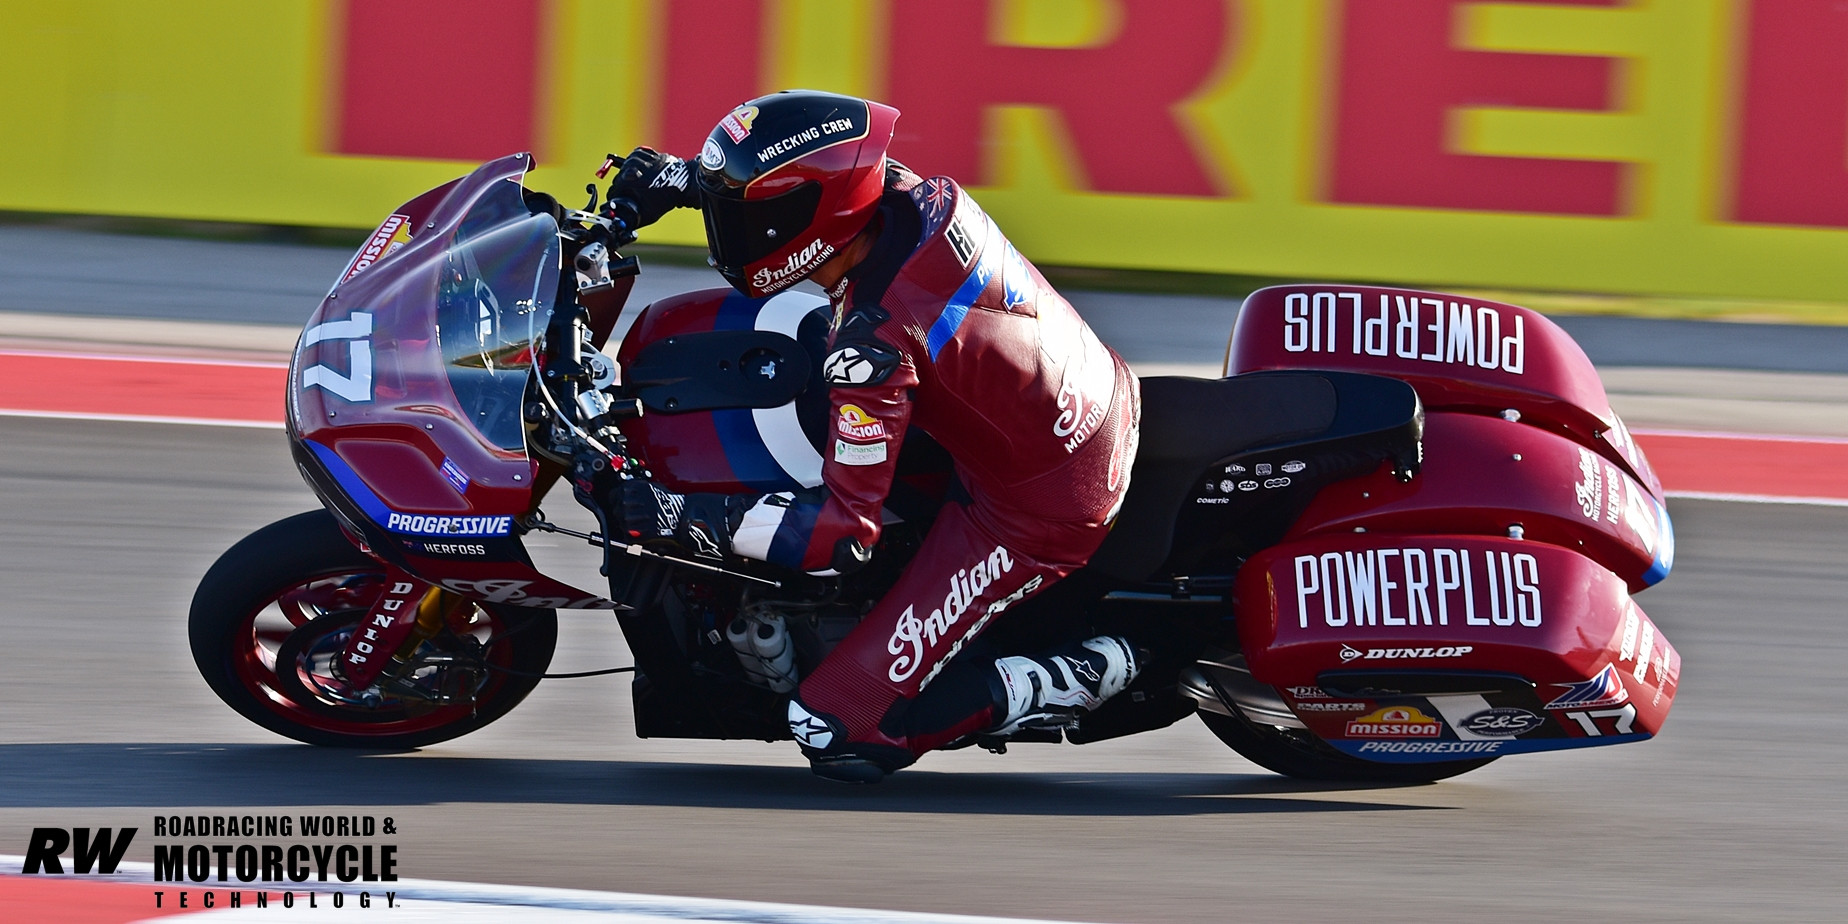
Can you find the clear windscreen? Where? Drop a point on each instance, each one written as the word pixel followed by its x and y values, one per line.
pixel 496 286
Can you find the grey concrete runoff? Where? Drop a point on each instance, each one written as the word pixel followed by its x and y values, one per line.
pixel 1733 813
pixel 62 272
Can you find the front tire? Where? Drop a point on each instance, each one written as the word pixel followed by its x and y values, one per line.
pixel 272 615
pixel 1297 752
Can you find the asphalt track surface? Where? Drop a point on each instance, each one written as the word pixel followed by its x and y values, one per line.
pixel 1734 812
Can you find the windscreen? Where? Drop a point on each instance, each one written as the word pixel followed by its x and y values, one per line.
pixel 496 285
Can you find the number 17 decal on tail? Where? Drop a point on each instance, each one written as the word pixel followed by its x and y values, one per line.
pixel 356 385
pixel 1624 717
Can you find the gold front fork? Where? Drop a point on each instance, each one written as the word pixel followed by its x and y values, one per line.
pixel 433 613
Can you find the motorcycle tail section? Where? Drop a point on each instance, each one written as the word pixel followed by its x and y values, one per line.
pixel 1450 647
pixel 1462 353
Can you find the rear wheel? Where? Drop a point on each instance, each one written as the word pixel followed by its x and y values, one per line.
pixel 1297 752
pixel 272 616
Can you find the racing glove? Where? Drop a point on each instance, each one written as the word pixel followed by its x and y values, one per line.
pixel 649 185
pixel 702 524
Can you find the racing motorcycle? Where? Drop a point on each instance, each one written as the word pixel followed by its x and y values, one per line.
pixel 1398 540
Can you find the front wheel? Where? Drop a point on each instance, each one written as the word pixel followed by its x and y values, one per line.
pixel 273 614
pixel 1297 752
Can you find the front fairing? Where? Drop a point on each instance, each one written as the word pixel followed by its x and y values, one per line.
pixel 412 370
pixel 406 388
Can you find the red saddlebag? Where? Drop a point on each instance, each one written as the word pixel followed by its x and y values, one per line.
pixel 1430 648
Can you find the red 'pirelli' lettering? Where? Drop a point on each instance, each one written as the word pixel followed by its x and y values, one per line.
pixel 1118 101
pixel 438 79
pixel 1401 80
pixel 714 55
pixel 1793 115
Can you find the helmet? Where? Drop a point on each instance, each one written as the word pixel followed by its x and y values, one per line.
pixel 787 180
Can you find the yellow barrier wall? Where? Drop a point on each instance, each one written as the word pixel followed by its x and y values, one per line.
pixel 1676 146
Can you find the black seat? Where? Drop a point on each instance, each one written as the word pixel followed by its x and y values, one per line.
pixel 1224 465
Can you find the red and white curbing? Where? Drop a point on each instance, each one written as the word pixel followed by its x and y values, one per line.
pixel 127 896
pixel 1749 467
pixel 151 389
pixel 1742 467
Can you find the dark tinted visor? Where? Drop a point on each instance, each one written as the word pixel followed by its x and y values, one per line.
pixel 741 232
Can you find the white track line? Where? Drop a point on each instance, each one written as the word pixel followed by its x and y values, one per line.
pixel 147 358
pixel 427 901
pixel 1760 498
pixel 138 418
pixel 1732 435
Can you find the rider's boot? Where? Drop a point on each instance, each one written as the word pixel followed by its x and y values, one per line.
pixel 1053 689
pixel 832 756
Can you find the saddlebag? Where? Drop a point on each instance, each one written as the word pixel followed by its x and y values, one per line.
pixel 1429 648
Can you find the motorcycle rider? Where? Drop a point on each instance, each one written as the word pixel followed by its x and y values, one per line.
pixel 939 323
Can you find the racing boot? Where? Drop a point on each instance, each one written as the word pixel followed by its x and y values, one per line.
pixel 832 757
pixel 1054 689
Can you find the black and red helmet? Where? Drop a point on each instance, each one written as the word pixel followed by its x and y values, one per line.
pixel 787 180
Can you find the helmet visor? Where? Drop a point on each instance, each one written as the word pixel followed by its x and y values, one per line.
pixel 743 231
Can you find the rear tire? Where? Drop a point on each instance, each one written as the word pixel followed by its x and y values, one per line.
pixel 273 613
pixel 1297 752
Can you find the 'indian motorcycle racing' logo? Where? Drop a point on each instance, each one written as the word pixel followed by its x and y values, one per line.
pixel 771 279
pixel 913 635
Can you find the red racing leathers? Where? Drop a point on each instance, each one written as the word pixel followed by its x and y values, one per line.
pixel 946 327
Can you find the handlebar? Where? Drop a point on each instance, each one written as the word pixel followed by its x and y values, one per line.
pixel 606 227
pixel 626 213
pixel 573 406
